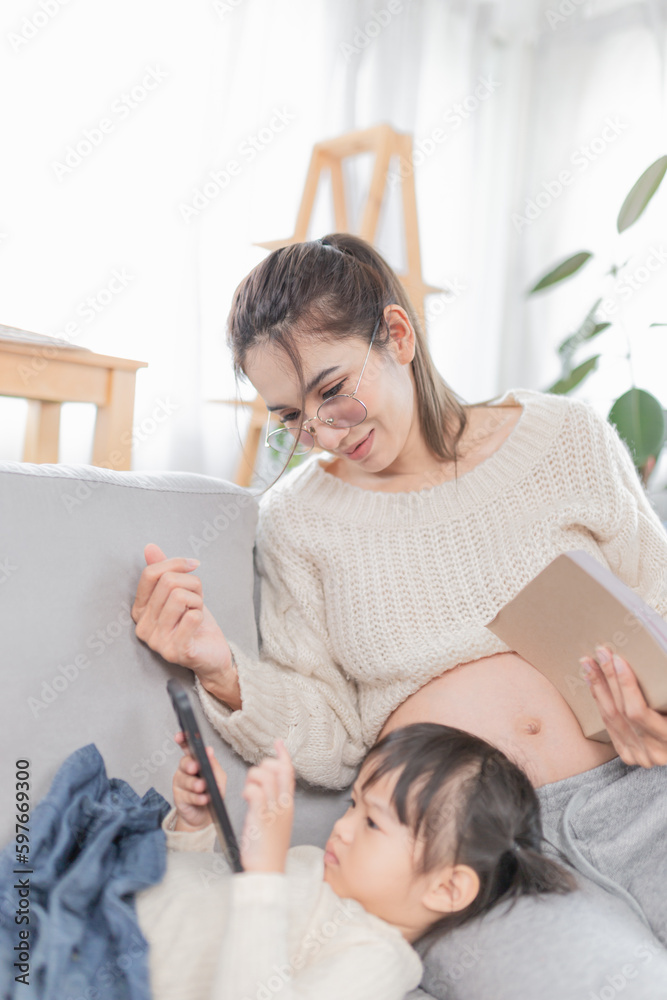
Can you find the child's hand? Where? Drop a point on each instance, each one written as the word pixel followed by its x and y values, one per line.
pixel 269 792
pixel 190 798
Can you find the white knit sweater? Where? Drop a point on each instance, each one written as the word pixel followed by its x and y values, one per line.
pixel 217 936
pixel 366 596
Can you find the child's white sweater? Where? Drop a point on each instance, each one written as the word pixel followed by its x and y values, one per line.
pixel 257 936
pixel 366 596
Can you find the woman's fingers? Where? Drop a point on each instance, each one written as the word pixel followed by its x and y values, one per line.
pixel 154 570
pixel 150 614
pixel 638 733
pixel 178 602
pixel 180 646
pixel 604 659
pixel 613 716
pixel 156 565
pixel 648 726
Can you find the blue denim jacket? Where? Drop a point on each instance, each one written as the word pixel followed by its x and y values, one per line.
pixel 93 844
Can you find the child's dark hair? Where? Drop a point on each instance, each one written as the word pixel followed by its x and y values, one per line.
pixel 466 803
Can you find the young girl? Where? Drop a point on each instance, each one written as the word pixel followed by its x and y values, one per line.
pixel 440 827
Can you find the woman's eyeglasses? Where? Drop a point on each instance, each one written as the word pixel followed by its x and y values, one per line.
pixel 339 411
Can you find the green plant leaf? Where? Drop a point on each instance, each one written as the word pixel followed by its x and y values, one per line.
pixel 640 420
pixel 584 332
pixel 598 328
pixel 641 194
pixel 577 375
pixel 562 270
pixel 657 324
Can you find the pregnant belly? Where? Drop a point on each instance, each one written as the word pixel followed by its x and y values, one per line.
pixel 504 700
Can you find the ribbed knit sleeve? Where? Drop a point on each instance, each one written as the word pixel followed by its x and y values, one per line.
pixel 629 532
pixel 296 691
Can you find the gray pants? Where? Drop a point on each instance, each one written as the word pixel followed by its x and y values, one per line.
pixel 611 825
pixel 603 942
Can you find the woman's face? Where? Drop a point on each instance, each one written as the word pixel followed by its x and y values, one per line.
pixel 334 366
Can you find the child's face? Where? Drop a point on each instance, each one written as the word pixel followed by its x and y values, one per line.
pixel 370 857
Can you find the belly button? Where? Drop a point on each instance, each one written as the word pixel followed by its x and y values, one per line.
pixel 533 726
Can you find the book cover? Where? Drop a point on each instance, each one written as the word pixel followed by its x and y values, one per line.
pixel 572 606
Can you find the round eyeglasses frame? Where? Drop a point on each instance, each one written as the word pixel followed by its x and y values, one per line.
pixel 278 440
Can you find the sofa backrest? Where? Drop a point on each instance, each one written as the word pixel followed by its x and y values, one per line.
pixel 74 672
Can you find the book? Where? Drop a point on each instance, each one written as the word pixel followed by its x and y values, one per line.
pixel 572 606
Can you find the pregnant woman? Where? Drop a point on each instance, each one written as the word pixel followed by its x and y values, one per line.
pixel 382 562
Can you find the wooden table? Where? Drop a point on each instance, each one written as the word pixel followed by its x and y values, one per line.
pixel 48 376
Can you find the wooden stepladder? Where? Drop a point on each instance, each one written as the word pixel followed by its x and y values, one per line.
pixel 328 155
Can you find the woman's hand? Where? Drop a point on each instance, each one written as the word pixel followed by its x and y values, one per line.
pixel 638 733
pixel 190 796
pixel 269 792
pixel 173 620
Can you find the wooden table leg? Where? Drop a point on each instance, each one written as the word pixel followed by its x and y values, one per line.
pixel 42 432
pixel 256 430
pixel 112 443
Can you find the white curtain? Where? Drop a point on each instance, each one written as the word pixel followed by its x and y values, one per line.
pixel 501 98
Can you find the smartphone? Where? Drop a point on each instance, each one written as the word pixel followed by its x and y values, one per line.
pixel 187 720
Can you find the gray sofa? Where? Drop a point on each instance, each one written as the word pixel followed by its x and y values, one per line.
pixel 71 553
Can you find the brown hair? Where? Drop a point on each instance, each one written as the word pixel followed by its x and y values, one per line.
pixel 337 286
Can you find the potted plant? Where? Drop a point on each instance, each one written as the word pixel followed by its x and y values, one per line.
pixel 637 414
